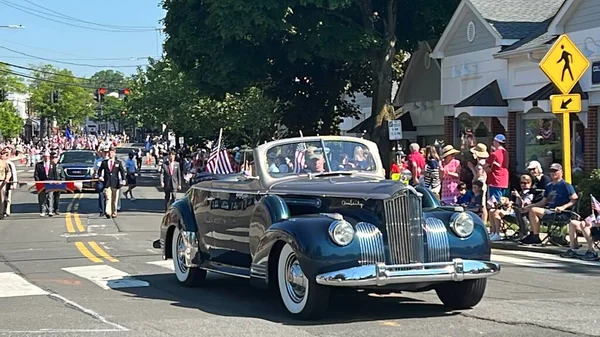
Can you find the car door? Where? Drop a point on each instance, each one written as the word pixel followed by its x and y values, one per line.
pixel 201 201
pixel 230 228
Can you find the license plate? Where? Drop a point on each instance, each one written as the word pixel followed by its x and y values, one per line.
pixel 77 172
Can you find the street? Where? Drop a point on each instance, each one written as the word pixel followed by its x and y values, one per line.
pixel 78 274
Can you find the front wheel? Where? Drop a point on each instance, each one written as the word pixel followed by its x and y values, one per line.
pixel 189 277
pixel 303 298
pixel 461 295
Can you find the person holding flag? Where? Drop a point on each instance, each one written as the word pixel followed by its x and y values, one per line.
pixel 589 227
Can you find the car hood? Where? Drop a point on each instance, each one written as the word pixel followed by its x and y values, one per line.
pixel 76 165
pixel 342 187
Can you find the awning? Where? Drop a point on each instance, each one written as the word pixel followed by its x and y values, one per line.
pixel 544 93
pixel 487 102
pixel 407 124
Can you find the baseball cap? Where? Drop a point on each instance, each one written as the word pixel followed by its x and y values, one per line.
pixel 556 167
pixel 500 138
pixel 534 164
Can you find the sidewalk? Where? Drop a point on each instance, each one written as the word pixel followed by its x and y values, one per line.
pixel 548 249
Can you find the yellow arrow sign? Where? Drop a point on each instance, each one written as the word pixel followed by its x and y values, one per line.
pixel 565 103
pixel 564 64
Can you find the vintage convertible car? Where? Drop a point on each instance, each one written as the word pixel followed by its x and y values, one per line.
pixel 317 214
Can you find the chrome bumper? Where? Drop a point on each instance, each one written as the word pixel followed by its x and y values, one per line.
pixel 381 274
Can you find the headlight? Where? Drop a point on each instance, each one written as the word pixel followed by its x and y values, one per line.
pixel 341 232
pixel 462 224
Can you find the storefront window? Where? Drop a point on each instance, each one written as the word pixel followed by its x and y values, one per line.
pixel 472 130
pixel 543 141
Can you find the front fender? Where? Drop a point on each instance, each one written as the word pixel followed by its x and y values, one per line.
pixel 180 213
pixel 309 237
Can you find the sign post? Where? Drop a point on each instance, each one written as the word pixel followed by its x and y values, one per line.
pixel 564 64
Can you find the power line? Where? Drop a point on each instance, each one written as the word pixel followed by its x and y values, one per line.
pixel 73 63
pixel 45 72
pixel 53 81
pixel 88 22
pixel 84 59
pixel 21 8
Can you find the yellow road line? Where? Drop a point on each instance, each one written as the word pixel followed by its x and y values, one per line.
pixel 86 252
pixel 78 223
pixel 78 198
pixel 101 251
pixel 70 227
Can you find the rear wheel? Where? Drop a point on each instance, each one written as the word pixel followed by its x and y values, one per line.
pixel 189 277
pixel 303 298
pixel 461 295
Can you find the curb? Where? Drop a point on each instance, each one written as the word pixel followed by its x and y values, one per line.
pixel 525 248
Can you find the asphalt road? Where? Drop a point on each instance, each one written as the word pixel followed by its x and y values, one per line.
pixel 78 274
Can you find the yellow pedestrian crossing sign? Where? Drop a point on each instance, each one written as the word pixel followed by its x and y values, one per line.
pixel 564 64
pixel 565 103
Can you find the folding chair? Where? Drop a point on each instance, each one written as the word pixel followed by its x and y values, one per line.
pixel 519 219
pixel 555 226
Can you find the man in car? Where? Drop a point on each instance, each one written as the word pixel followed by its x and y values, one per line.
pixel 558 196
pixel 315 162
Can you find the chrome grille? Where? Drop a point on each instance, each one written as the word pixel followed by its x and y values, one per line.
pixel 77 171
pixel 372 249
pixel 438 245
pixel 404 228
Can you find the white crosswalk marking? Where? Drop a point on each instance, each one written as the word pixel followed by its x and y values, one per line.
pixel 13 285
pixel 107 277
pixel 168 264
pixel 524 262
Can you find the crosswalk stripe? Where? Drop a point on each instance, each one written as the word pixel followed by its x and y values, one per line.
pixel 107 277
pixel 13 285
pixel 545 256
pixel 163 263
pixel 524 262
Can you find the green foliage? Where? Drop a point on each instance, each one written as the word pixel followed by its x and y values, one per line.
pixel 109 79
pixel 75 102
pixel 9 82
pixel 589 185
pixel 11 125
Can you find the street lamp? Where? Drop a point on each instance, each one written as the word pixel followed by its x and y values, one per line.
pixel 13 26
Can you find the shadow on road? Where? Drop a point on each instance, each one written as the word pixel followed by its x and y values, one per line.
pixel 228 296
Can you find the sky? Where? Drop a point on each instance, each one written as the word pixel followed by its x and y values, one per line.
pixel 43 37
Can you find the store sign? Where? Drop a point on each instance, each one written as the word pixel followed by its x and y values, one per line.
pixel 596 73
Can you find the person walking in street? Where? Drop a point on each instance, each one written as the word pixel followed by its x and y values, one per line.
pixel 60 175
pixel 10 186
pixel 45 171
pixel 131 181
pixel 170 180
pixel 103 154
pixel 5 178
pixel 112 173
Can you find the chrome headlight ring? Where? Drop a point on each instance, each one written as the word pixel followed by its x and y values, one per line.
pixel 341 232
pixel 462 224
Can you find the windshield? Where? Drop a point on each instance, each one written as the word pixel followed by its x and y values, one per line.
pixel 319 157
pixel 77 158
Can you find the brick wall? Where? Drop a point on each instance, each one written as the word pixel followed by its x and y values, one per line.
pixel 448 129
pixel 496 129
pixel 511 140
pixel 590 140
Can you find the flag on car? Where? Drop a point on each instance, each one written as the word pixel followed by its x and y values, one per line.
pixel 219 161
pixel 299 158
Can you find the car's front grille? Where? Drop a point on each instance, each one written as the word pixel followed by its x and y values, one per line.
pixel 76 172
pixel 404 229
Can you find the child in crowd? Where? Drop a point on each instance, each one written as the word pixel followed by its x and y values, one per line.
pixel 476 202
pixel 464 195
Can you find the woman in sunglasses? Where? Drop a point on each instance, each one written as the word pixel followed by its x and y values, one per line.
pixel 513 208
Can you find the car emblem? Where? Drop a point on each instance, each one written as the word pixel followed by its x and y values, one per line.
pixel 352 203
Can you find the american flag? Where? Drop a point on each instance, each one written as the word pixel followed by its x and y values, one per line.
pixel 594 218
pixel 218 161
pixel 299 159
pixel 595 204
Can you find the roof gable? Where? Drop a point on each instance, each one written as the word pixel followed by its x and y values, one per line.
pixel 422 80
pixel 463 9
pixel 557 26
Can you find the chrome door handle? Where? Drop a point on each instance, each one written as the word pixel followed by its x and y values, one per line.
pixel 210 199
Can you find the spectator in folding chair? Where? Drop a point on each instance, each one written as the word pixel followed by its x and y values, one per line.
pixel 540 180
pixel 589 228
pixel 514 213
pixel 558 197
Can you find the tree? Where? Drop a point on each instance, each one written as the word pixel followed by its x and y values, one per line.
pixel 12 124
pixel 349 36
pixel 111 79
pixel 10 82
pixel 75 102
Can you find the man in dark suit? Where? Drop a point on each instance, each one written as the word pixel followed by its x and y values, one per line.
pixel 170 179
pixel 45 171
pixel 112 174
pixel 60 175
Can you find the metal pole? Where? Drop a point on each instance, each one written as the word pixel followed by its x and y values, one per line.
pixel 566 124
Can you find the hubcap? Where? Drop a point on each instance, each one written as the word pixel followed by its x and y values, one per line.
pixel 181 254
pixel 295 279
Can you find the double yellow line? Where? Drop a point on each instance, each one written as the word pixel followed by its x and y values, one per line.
pixel 72 216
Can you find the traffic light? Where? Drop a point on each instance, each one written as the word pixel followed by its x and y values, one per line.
pixel 54 96
pixel 125 93
pixel 100 94
pixel 3 95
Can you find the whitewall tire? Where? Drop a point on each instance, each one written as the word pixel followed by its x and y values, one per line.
pixel 187 276
pixel 303 298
